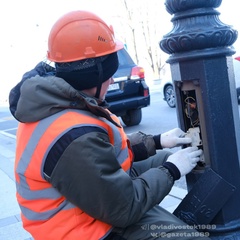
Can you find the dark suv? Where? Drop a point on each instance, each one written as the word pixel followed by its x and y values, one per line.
pixel 129 93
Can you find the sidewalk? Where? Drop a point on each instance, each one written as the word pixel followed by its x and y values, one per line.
pixel 10 221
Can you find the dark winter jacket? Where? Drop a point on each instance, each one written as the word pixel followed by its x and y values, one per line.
pixel 40 94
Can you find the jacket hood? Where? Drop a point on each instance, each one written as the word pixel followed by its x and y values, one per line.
pixel 40 94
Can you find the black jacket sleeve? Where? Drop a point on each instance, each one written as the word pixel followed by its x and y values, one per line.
pixel 144 145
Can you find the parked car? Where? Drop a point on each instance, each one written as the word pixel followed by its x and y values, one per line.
pixel 168 89
pixel 169 94
pixel 129 93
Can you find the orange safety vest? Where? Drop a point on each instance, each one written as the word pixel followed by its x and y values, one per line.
pixel 46 214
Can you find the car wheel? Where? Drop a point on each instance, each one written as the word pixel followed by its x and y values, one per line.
pixel 238 95
pixel 132 117
pixel 169 96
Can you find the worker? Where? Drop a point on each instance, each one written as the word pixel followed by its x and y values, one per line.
pixel 78 174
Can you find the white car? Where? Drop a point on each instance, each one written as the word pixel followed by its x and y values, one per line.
pixel 169 94
pixel 167 87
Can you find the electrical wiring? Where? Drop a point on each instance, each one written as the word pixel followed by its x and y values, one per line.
pixel 191 111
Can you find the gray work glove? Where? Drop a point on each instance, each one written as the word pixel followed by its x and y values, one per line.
pixel 185 159
pixel 174 138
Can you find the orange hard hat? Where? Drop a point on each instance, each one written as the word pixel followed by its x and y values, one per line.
pixel 79 35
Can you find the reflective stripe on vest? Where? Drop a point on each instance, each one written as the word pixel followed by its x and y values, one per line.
pixel 34 140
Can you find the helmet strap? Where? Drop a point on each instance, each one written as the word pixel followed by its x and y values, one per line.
pixel 100 78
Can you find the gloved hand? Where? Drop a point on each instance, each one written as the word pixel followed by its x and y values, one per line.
pixel 174 138
pixel 185 159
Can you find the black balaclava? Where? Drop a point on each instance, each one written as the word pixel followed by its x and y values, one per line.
pixel 88 73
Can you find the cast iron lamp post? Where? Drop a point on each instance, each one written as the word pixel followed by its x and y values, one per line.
pixel 200 49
